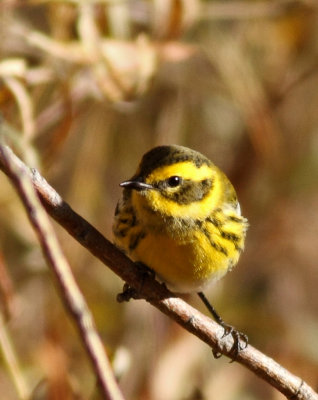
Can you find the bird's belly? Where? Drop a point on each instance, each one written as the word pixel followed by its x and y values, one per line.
pixel 184 265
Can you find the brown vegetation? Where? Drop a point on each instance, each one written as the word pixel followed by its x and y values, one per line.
pixel 85 89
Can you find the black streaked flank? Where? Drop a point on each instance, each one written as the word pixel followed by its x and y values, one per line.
pixel 135 239
pixel 128 219
pixel 234 219
pixel 233 237
pixel 122 232
pixel 215 221
pixel 215 245
pixel 230 236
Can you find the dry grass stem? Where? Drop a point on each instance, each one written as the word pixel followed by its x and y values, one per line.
pixel 69 290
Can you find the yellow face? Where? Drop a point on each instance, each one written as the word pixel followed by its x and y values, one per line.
pixel 180 190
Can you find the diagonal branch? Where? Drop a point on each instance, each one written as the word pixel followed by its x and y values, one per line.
pixel 155 293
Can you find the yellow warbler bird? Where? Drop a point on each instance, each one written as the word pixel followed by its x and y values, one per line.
pixel 179 215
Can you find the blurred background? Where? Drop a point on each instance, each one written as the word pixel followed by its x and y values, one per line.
pixel 86 87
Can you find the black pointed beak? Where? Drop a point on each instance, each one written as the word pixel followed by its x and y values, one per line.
pixel 137 185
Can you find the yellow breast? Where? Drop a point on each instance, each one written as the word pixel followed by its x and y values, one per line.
pixel 184 265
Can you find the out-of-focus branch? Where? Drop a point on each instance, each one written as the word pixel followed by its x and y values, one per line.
pixel 251 10
pixel 155 293
pixel 6 289
pixel 12 363
pixel 69 290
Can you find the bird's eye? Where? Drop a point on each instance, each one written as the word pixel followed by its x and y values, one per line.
pixel 174 181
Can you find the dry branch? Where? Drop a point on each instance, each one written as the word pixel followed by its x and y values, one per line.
pixel 155 293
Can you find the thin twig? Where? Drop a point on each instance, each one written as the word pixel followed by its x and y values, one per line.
pixel 158 295
pixel 25 105
pixel 69 290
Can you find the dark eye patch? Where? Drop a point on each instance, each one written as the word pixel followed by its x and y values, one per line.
pixel 189 191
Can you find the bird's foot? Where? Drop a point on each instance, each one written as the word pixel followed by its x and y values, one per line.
pixel 240 340
pixel 130 292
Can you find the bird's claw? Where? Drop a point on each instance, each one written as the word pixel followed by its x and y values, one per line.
pixel 240 341
pixel 127 294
